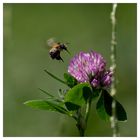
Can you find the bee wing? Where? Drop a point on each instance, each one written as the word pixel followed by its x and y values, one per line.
pixel 51 42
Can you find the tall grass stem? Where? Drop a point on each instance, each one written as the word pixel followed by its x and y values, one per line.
pixel 113 119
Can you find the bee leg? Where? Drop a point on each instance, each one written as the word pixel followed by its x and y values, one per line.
pixel 67 51
pixel 61 59
pixel 65 48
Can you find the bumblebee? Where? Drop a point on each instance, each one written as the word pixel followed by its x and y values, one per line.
pixel 56 49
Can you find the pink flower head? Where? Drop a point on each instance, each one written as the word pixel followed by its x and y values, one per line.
pixel 90 67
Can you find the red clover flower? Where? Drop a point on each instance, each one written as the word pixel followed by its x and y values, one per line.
pixel 90 67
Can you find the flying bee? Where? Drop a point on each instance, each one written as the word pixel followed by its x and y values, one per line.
pixel 56 49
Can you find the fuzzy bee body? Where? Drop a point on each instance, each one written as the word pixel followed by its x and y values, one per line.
pixel 56 49
pixel 55 54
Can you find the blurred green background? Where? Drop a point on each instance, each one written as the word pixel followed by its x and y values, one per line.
pixel 87 27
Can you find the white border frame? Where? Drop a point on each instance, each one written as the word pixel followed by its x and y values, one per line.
pixel 69 1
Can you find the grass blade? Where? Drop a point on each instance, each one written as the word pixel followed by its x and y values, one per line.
pixel 46 92
pixel 51 96
pixel 55 77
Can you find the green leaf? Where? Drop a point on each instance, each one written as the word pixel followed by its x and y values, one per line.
pixel 70 80
pixel 71 106
pixel 96 93
pixel 104 107
pixel 100 107
pixel 120 111
pixel 107 102
pixel 58 79
pixel 46 105
pixel 77 96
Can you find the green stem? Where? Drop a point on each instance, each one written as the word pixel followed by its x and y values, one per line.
pixel 82 121
pixel 88 105
pixel 81 132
